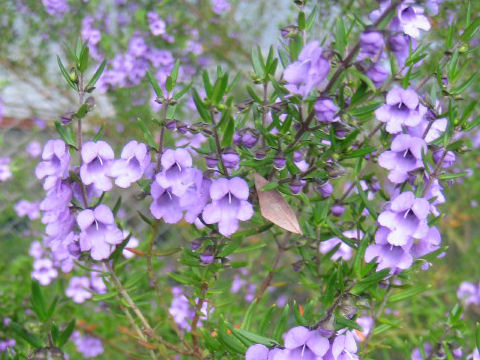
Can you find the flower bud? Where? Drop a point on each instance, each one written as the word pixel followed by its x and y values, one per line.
pixel 325 110
pixel 211 161
pixel 325 189
pixel 90 102
pixel 237 139
pixel 260 154
pixel 181 127
pixel 196 244
pixel 249 139
pixel 230 158
pixel 289 31
pixel 337 210
pixel 296 186
pixel 170 125
pixel 297 266
pixel 74 249
pixel 67 117
pixel 207 256
pixel 279 161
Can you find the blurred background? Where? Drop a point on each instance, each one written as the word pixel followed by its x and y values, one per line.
pixel 134 36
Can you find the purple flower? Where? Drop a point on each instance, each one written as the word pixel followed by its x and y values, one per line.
pixel 343 347
pixel 43 271
pixel 97 159
pixel 132 244
pixel 99 234
pixel 257 352
pixel 55 7
pixel 427 349
pixel 230 159
pixel 55 162
pixel 325 110
pixel 469 293
pixel 229 204
pixel 302 343
pixel 165 204
pixel 371 45
pixel 86 345
pixel 402 108
pixel 410 20
pixel 176 171
pixel 377 74
pixel 132 164
pixel 448 159
pixel 34 149
pixel 405 156
pixel 5 172
pixel 325 189
pixel 182 312
pixel 27 208
pixel 400 45
pixel 79 289
pixel 407 217
pixel 308 71
pixel 157 26
pixel 344 251
pixel 36 250
pixel 220 6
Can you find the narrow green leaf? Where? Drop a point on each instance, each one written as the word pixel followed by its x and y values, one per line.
pixel 154 84
pixel 97 74
pixel 25 335
pixel 66 75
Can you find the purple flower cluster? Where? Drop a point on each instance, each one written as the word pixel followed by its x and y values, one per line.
pixel 87 345
pixel 181 188
pixel 469 293
pixel 182 311
pixel 309 71
pixel 6 345
pixel 303 343
pixel 55 7
pixel 81 288
pixel 5 172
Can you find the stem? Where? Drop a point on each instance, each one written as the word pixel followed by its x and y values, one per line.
pixel 268 280
pixel 196 318
pixel 331 310
pixel 377 314
pixel 81 95
pixel 162 134
pixel 264 108
pixel 435 174
pixel 223 169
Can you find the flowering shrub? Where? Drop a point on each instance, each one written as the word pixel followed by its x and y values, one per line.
pixel 332 158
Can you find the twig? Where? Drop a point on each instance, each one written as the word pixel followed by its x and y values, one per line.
pixel 331 310
pixel 267 281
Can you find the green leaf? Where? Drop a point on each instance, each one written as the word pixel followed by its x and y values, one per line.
pixel 65 134
pixel 471 30
pixel 66 75
pixel 253 94
pixel 461 88
pixel 146 134
pixel 97 74
pixel 254 338
pixel 25 335
pixel 201 108
pixel 347 323
pixel 250 248
pixel 65 334
pixel 452 176
pixel 340 36
pixel 359 152
pixel 301 20
pixel 258 68
pixel 365 201
pixel 38 302
pixel 247 320
pixel 267 319
pixel 52 307
pixel 228 134
pixel 179 94
pixel 407 294
pixel 281 326
pixel 311 18
pixel 154 84
pixel 477 336
pixel 169 84
pixel 83 58
pixel 174 73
